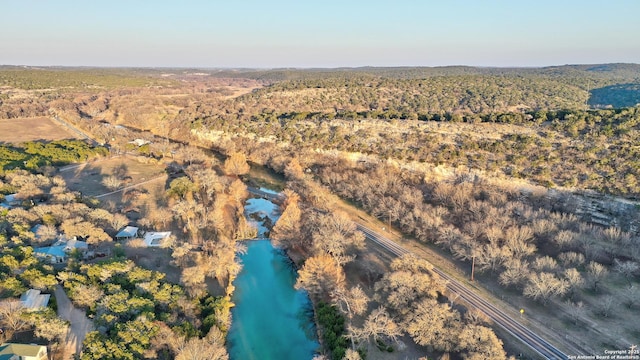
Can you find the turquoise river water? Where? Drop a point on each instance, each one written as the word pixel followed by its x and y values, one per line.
pixel 271 320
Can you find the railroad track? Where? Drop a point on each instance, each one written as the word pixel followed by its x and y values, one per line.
pixel 516 329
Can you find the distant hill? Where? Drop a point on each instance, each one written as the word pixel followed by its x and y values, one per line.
pixel 455 88
pixel 616 96
pixel 400 92
pixel 607 71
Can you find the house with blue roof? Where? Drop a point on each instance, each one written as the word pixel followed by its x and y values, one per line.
pixel 10 201
pixel 59 252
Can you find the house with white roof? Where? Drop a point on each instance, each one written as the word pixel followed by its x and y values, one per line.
pixel 32 299
pixel 139 142
pixel 156 239
pixel 129 232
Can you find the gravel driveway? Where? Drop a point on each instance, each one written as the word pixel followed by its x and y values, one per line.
pixel 80 325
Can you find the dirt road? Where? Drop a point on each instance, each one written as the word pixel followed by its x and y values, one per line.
pixel 80 325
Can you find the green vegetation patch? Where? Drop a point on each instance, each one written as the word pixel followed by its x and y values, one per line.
pixel 33 155
pixel 333 330
pixel 31 79
pixel 617 96
pixel 130 304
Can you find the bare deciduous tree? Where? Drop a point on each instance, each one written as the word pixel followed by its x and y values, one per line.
pixel 193 280
pixel 515 273
pixel 543 286
pixel 181 253
pixel 286 232
pixel 468 248
pixel 379 324
pixel 190 154
pixel 352 301
pixel 335 234
pixel 476 317
pixel 574 279
pixel 11 317
pixel 211 347
pixel 493 256
pixel 606 306
pixel 480 342
pixel 565 239
pixel 85 229
pixel 631 296
pixel 597 272
pixel 46 233
pixel 434 324
pixel 320 276
pixel 52 329
pixel 351 354
pixel 517 239
pixel 545 263
pixel 236 164
pixel 86 296
pixel 118 221
pixel 576 311
pixel 571 258
pixel 161 216
pixel 238 192
pixel 112 182
pixel 627 269
pixel 411 280
pixel 294 170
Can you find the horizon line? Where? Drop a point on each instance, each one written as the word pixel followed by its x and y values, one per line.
pixel 259 68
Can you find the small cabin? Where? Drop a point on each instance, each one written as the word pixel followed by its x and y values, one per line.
pixel 129 232
pixel 156 239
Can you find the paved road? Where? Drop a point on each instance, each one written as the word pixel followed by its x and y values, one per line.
pixel 520 332
pixel 73 128
pixel 80 325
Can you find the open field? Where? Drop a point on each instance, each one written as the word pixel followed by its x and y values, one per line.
pixel 30 129
pixel 88 177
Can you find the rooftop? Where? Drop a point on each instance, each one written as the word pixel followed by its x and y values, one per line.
pixel 62 247
pixel 9 201
pixel 33 299
pixel 9 350
pixel 152 238
pixel 128 232
pixel 57 251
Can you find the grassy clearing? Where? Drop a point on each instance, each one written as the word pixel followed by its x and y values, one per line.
pixel 32 129
pixel 88 177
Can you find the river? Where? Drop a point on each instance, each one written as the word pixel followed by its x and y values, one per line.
pixel 271 320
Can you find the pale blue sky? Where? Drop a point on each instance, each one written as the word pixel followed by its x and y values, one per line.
pixel 318 33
